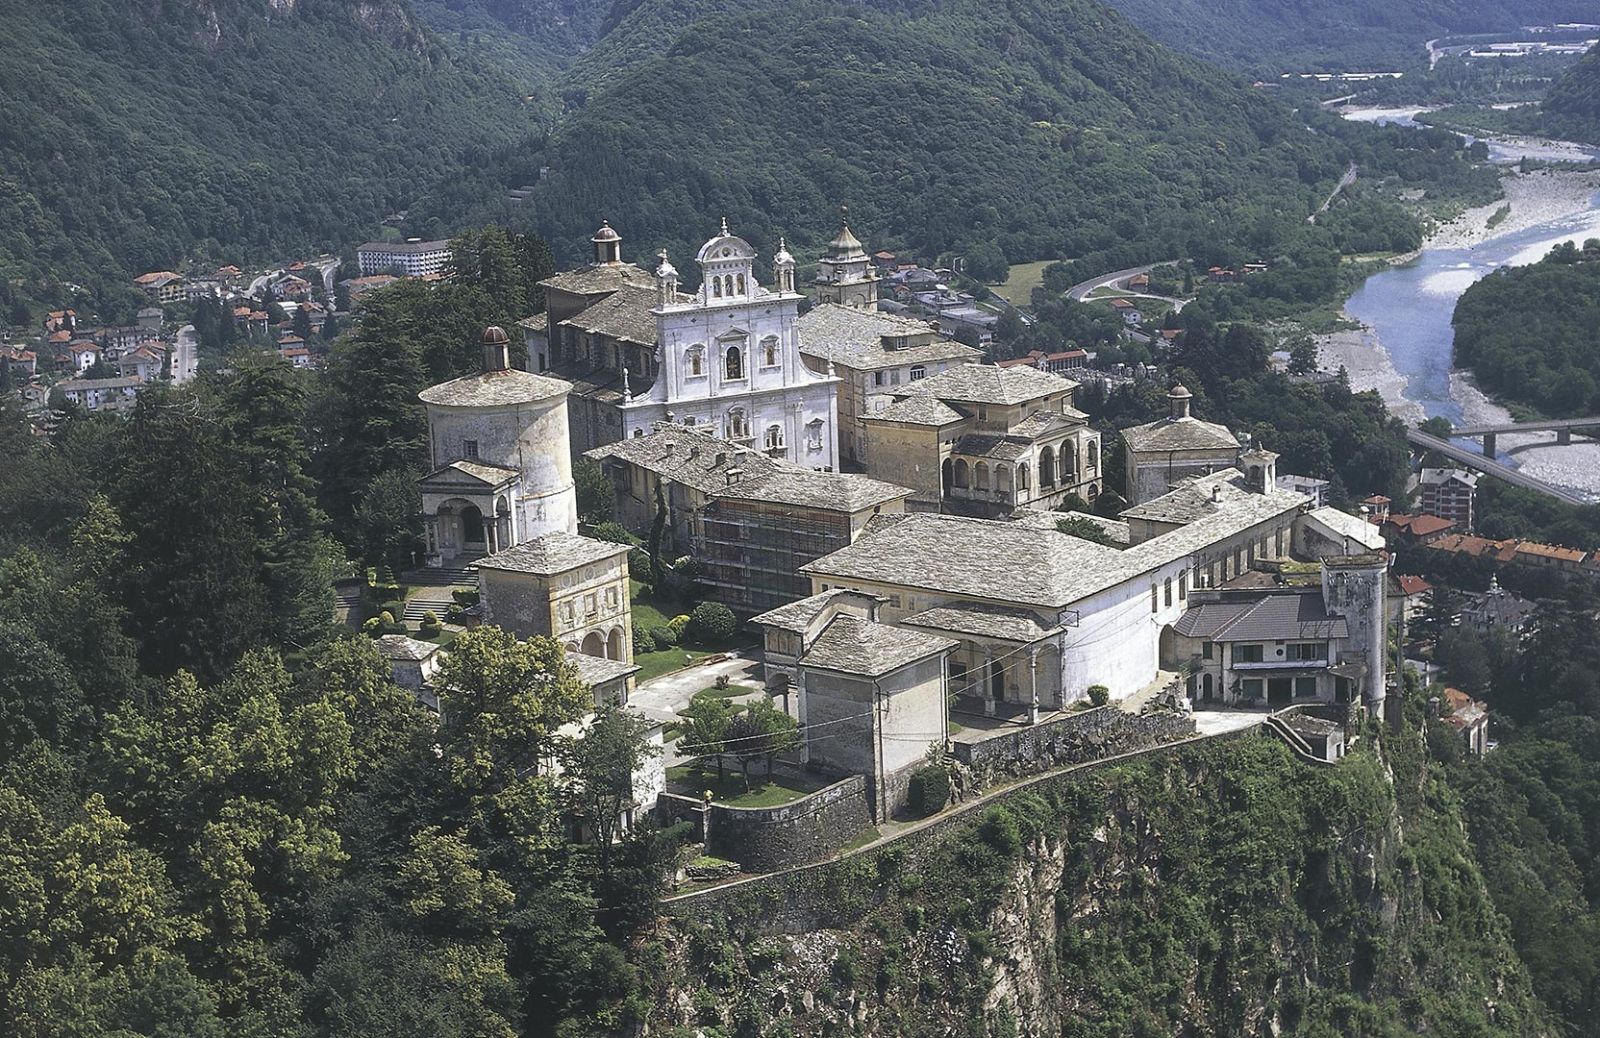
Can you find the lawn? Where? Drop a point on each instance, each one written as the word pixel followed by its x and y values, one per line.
pixel 730 791
pixel 649 612
pixel 1024 278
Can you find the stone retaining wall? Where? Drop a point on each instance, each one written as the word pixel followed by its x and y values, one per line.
pixel 1070 739
pixel 836 893
pixel 764 839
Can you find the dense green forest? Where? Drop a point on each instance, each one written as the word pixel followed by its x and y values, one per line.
pixel 1529 334
pixel 1034 129
pixel 139 136
pixel 1276 36
pixel 1572 108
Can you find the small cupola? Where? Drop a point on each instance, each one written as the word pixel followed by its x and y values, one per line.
pixel 1178 400
pixel 666 280
pixel 783 268
pixel 496 349
pixel 607 245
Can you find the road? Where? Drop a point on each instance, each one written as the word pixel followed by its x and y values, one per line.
pixel 661 698
pixel 186 355
pixel 1081 290
pixel 1474 459
pixel 1344 182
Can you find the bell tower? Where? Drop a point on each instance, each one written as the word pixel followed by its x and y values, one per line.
pixel 844 274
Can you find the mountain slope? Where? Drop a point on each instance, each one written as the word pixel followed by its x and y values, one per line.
pixel 137 134
pixel 1277 35
pixel 1046 128
pixel 1572 108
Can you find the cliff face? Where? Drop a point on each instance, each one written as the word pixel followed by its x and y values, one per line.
pixel 1226 889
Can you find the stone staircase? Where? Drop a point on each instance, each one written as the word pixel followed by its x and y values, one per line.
pixel 453 574
pixel 418 604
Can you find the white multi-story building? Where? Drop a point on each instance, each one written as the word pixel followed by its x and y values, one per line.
pixel 413 258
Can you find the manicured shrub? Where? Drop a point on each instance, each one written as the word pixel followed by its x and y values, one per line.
pixel 1099 695
pixel 929 790
pixel 712 623
pixel 454 613
pixel 664 637
pixel 614 532
pixel 372 627
pixel 678 623
pixel 430 626
pixel 642 642
pixel 465 596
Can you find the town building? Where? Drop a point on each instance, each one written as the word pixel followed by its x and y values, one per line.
pixel 1175 448
pixel 984 440
pixel 1469 717
pixel 109 395
pixel 413 258
pixel 163 286
pixel 1314 489
pixel 871 697
pixel 749 520
pixel 1325 531
pixel 1061 362
pixel 1414 530
pixel 846 275
pixel 1448 494
pixel 1408 597
pixel 726 357
pixel 413 665
pixel 501 467
pixel 1549 556
pixel 1498 610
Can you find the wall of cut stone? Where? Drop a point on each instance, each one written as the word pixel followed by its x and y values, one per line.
pixel 1073 739
pixel 765 839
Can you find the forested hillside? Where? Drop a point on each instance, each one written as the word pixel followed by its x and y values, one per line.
pixel 1041 128
pixel 1572 108
pixel 1529 333
pixel 1278 35
pixel 137 135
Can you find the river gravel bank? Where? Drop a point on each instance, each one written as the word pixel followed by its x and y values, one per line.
pixel 1540 197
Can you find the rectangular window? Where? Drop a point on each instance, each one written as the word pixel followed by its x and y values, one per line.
pixel 611 598
pixel 566 610
pixel 894 601
pixel 1305 688
pixel 1250 689
pixel 1183 586
pixel 1206 651
pixel 918 373
pixel 469 449
pixel 1166 591
pixel 877 378
pixel 590 606
pixel 1308 650
pixel 1247 654
pixel 1155 599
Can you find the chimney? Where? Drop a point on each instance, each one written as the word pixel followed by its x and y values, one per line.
pixel 722 458
pixel 734 475
pixel 1216 493
pixel 694 451
pixel 496 349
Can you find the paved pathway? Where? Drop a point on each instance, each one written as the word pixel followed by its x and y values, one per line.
pixel 661 698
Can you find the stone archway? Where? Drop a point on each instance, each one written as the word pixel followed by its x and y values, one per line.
pixel 946 474
pixel 594 645
pixel 614 646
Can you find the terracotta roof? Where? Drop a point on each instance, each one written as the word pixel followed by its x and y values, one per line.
pixel 1412 585
pixel 1550 551
pixel 1418 525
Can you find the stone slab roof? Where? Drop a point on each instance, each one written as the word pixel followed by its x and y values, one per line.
pixel 987 384
pixel 797 616
pixel 76 384
pixel 855 646
pixel 722 469
pixel 495 389
pixel 599 277
pixel 1177 434
pixel 596 670
pixel 400 647
pixel 468 473
pixel 551 554
pixel 595 382
pixel 1044 423
pixel 991 445
pixel 1349 526
pixel 1012 625
pixel 624 314
pixel 918 410
pixel 1276 616
pixel 854 338
pixel 536 323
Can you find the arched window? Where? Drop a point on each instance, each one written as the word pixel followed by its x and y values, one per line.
pixel 980 476
pixel 716 287
pixel 697 360
pixel 1047 467
pixel 774 437
pixel 733 364
pixel 738 424
pixel 960 479
pixel 741 284
pixel 1068 459
pixel 1022 476
pixel 814 434
pixel 769 351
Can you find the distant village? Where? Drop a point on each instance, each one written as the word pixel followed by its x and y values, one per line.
pixel 909 543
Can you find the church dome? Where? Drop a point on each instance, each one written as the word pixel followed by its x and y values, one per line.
pixel 494 335
pixel 1180 392
pixel 725 247
pixel 605 233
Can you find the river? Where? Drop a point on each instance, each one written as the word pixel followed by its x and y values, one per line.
pixel 1407 311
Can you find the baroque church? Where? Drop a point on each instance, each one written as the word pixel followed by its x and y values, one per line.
pixel 726 357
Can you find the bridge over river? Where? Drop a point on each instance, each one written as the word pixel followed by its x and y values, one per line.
pixel 1484 461
pixel 1562 427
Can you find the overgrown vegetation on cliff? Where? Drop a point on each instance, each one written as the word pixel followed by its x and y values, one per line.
pixel 1222 889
